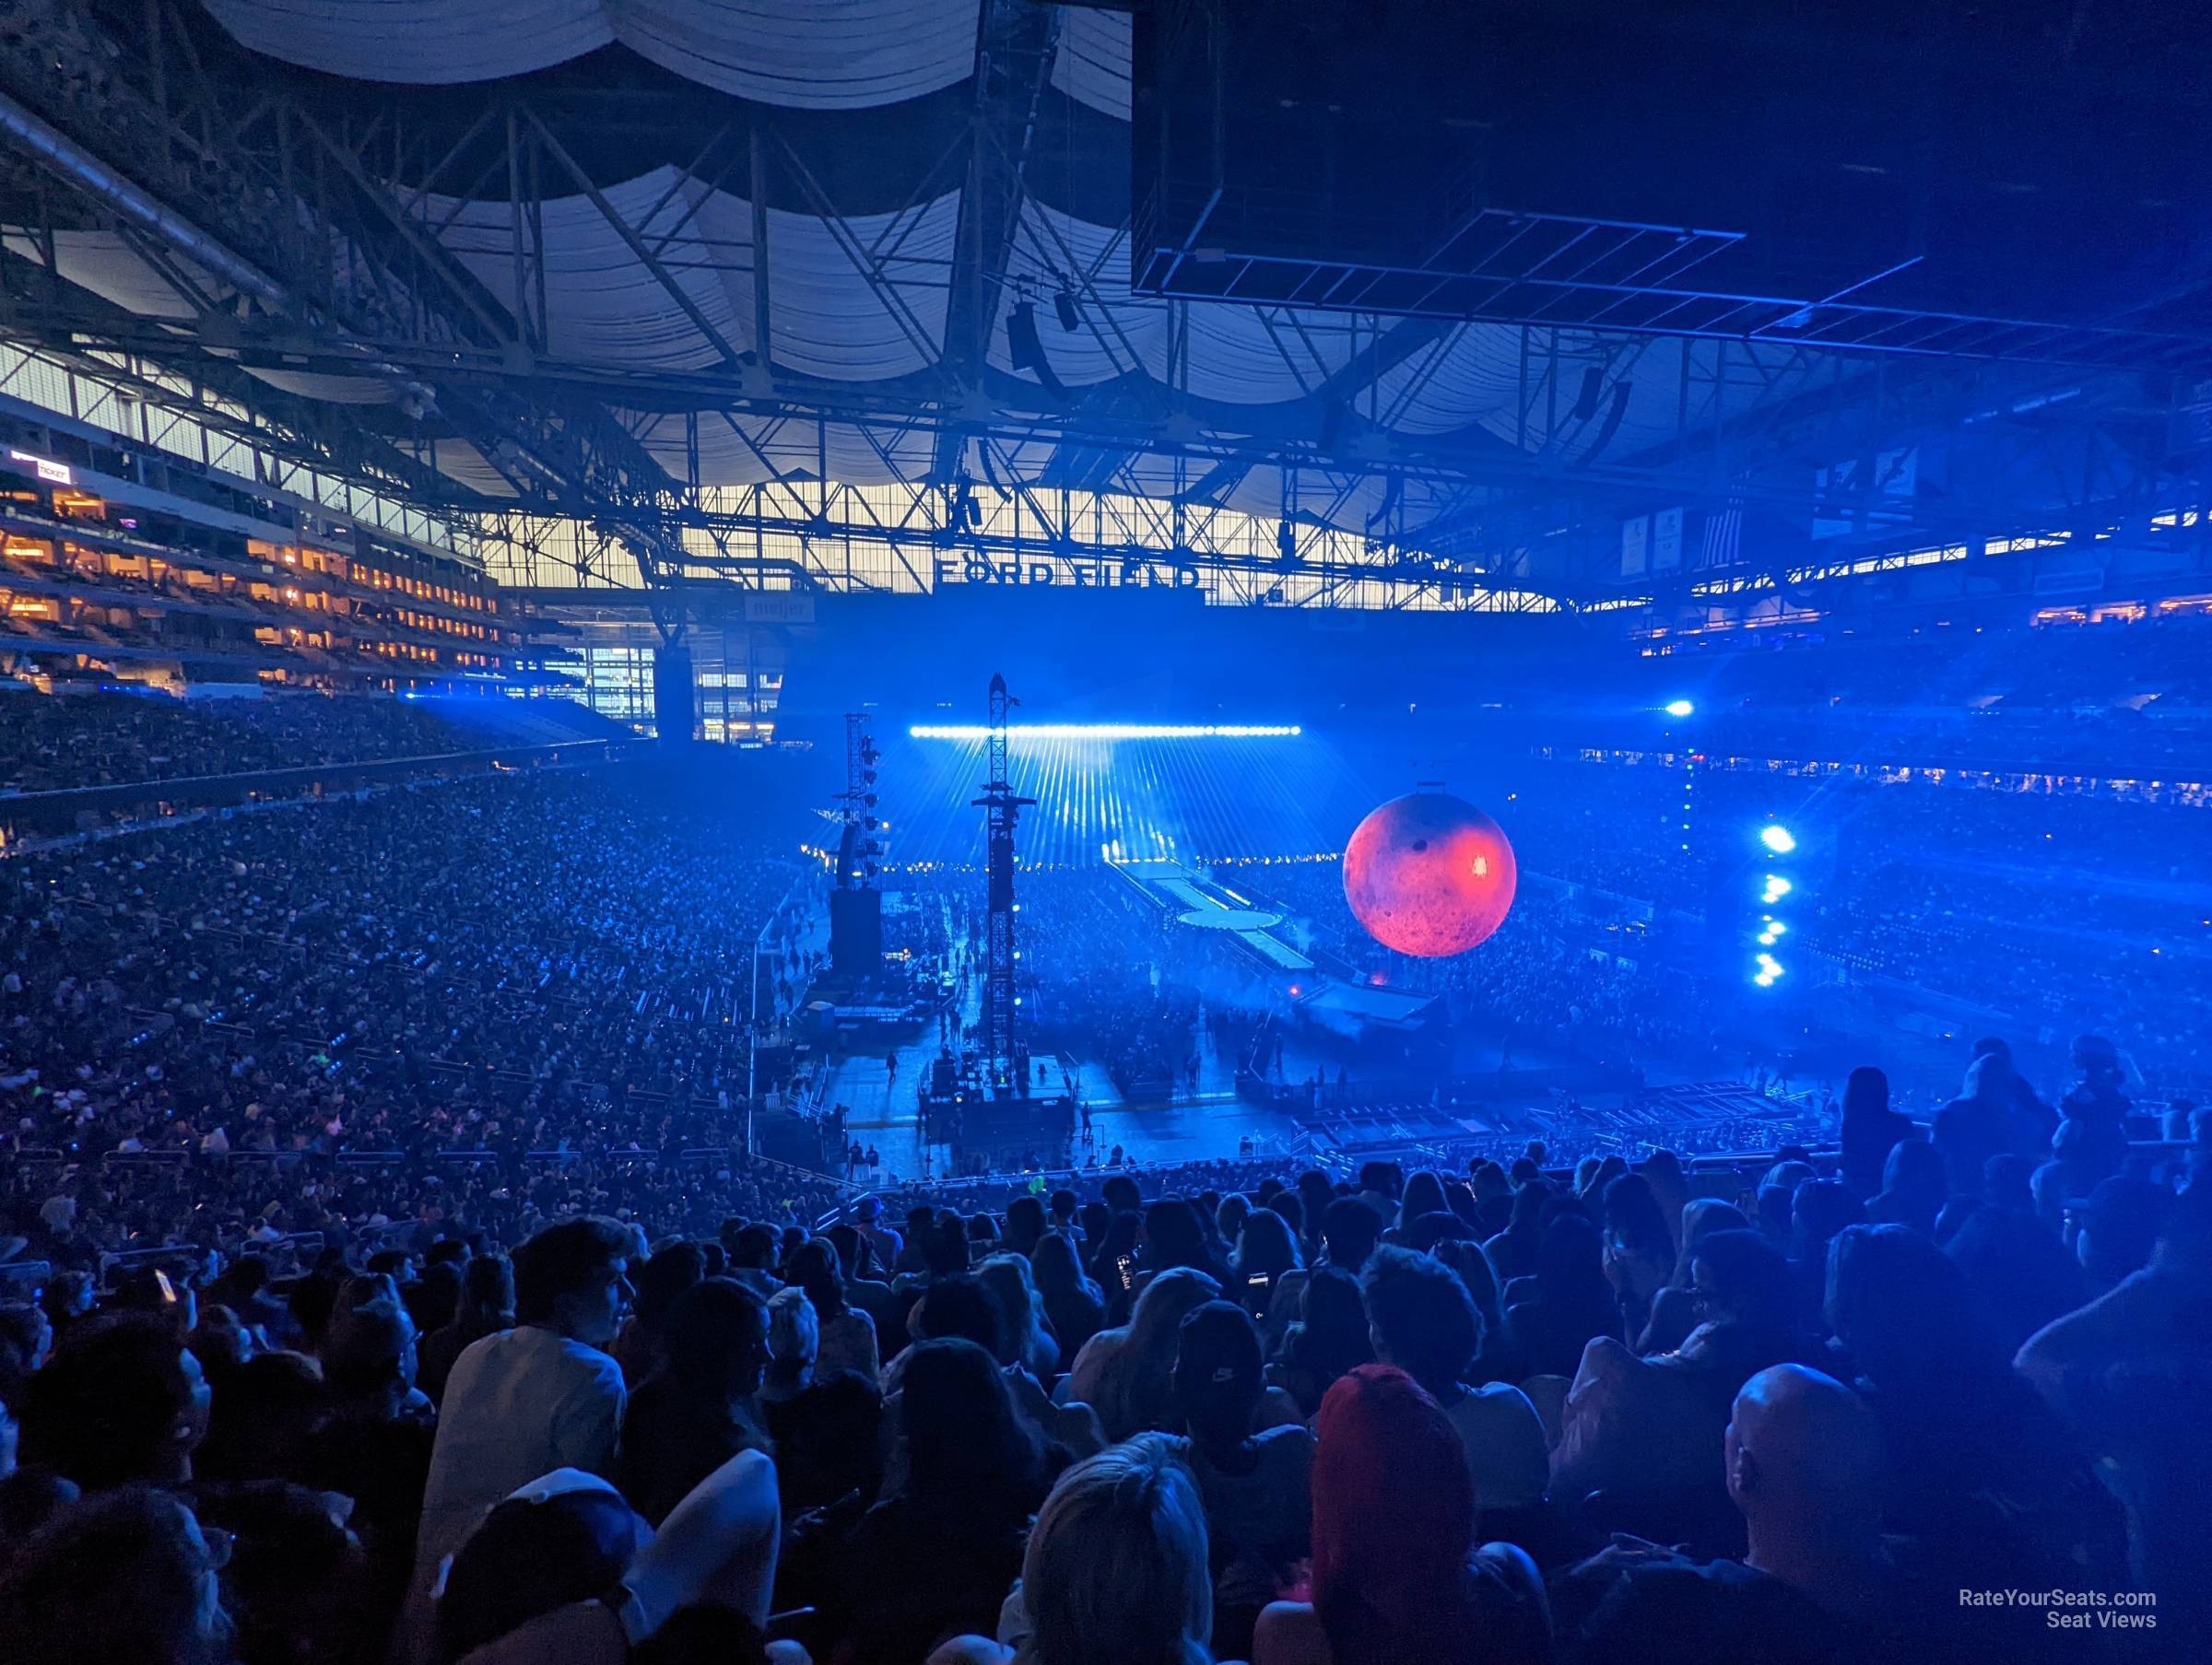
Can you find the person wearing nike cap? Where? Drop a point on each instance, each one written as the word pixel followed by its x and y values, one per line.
pixel 1254 1484
pixel 564 1572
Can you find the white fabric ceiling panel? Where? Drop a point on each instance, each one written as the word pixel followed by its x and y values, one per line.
pixel 330 389
pixel 723 458
pixel 1257 492
pixel 770 448
pixel 876 455
pixel 601 300
pixel 860 301
pixel 1344 502
pixel 1157 476
pixel 458 459
pixel 1473 375
pixel 103 263
pixel 1243 354
pixel 815 54
pixel 1092 65
pixel 423 42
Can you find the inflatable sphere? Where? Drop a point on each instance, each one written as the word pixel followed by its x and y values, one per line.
pixel 1429 874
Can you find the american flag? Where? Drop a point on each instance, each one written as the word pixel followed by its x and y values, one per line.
pixel 1724 532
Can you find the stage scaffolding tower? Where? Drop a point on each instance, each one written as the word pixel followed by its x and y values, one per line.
pixel 856 892
pixel 1006 1060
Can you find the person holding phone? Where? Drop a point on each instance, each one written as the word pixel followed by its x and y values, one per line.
pixel 1266 1251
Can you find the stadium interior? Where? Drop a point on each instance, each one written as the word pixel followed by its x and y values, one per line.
pixel 992 832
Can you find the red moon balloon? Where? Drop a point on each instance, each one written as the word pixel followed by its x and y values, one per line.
pixel 1429 874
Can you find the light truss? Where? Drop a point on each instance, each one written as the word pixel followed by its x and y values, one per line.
pixel 1018 732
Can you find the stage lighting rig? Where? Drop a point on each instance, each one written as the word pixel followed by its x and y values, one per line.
pixel 857 901
pixel 1773 840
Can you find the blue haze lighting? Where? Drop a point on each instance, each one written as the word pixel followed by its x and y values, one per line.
pixel 1679 708
pixel 1109 731
pixel 1778 839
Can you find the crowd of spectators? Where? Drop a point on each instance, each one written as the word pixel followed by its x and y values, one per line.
pixel 2095 909
pixel 381 1285
pixel 289 1020
pixel 1512 1414
pixel 57 743
pixel 2118 697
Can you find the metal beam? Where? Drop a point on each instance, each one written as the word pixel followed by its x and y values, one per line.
pixel 636 244
pixel 1013 55
pixel 557 446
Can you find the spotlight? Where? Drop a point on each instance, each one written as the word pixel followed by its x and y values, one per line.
pixel 1679 708
pixel 1778 839
pixel 1776 888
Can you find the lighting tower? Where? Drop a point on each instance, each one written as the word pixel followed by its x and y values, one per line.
pixel 857 901
pixel 858 848
pixel 1005 1061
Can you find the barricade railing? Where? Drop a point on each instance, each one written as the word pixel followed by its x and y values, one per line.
pixel 305 1244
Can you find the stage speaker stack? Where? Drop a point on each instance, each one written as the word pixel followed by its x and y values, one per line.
pixel 673 712
pixel 855 933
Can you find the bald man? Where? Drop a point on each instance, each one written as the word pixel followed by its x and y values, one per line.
pixel 1803 1460
pixel 1804 1464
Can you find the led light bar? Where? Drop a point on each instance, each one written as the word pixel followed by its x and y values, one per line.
pixel 1106 731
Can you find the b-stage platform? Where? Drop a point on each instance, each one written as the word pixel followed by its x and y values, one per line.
pixel 1317 991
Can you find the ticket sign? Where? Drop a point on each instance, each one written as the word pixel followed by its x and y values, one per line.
pixel 46 468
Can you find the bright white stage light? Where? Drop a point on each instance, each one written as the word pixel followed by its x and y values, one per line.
pixel 1776 888
pixel 1107 730
pixel 1777 839
pixel 1679 708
